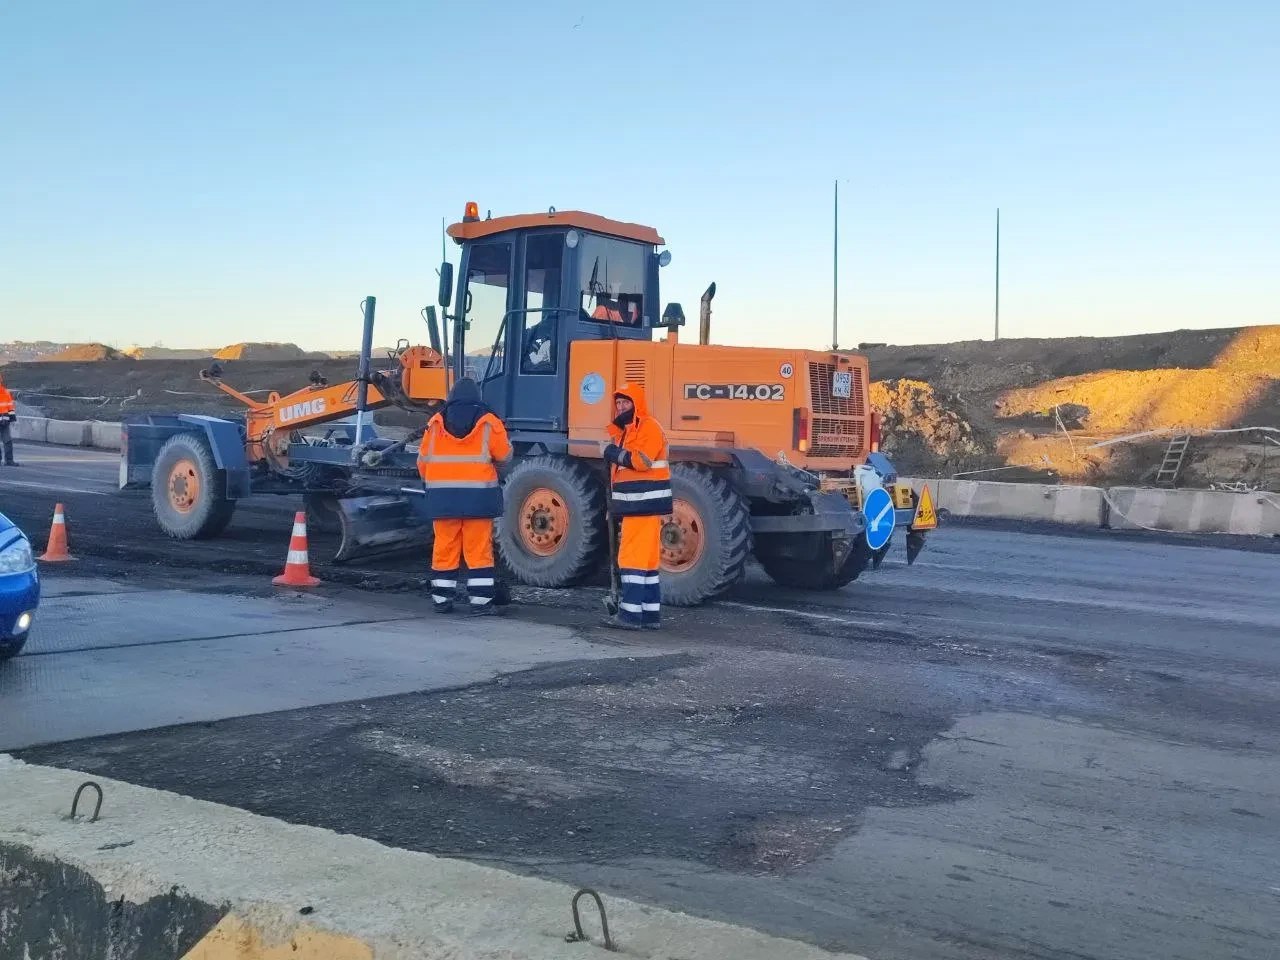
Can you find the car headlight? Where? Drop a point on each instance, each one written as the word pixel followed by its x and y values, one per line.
pixel 17 558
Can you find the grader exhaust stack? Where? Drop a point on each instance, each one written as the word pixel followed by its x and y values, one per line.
pixel 704 316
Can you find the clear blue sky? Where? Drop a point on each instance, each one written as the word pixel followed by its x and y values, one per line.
pixel 203 173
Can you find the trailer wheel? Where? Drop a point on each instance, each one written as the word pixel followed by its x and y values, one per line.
pixel 707 539
pixel 816 572
pixel 553 531
pixel 187 490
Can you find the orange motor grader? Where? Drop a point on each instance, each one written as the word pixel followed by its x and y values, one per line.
pixel 774 452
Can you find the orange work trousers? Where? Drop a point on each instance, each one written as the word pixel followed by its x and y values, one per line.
pixel 463 541
pixel 639 562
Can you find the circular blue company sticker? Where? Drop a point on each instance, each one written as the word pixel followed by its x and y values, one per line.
pixel 592 389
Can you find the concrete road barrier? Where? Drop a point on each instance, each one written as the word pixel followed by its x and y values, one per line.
pixel 225 884
pixel 71 433
pixel 105 435
pixel 1195 511
pixel 1018 501
pixel 31 428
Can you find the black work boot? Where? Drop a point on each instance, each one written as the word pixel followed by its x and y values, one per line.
pixel 446 607
pixel 617 623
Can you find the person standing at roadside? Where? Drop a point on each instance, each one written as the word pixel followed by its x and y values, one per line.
pixel 8 417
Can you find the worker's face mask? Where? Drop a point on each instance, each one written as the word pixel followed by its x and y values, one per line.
pixel 624 418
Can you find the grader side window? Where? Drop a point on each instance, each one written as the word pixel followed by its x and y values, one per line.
pixel 543 257
pixel 488 277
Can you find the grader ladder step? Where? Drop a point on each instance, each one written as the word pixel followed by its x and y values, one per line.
pixel 1171 465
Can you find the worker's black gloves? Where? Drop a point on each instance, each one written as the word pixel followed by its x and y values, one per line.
pixel 613 454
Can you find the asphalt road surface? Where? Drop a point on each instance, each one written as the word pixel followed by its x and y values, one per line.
pixel 1025 746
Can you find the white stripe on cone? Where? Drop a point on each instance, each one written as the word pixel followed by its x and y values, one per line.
pixel 297 556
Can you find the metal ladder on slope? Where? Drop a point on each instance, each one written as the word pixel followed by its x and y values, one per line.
pixel 1171 465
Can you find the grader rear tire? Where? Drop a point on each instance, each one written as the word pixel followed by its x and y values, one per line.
pixel 815 572
pixel 707 539
pixel 553 529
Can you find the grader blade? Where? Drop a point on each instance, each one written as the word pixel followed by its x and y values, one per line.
pixel 377 525
pixel 915 543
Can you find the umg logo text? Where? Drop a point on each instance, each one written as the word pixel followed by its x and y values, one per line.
pixel 307 408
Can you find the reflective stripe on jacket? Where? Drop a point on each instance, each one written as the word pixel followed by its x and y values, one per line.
pixel 460 475
pixel 642 479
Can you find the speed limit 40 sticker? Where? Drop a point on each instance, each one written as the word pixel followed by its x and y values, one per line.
pixel 734 391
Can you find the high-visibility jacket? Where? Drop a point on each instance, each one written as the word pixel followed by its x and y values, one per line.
pixel 641 475
pixel 613 311
pixel 461 475
pixel 7 406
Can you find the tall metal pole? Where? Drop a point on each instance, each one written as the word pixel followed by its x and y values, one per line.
pixel 997 273
pixel 835 269
pixel 362 376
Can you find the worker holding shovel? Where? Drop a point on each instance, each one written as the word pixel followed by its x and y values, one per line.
pixel 640 496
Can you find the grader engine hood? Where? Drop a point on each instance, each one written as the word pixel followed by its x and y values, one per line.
pixel 811 408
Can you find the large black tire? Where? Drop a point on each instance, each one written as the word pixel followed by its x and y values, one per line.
pixel 197 508
pixel 569 527
pixel 811 569
pixel 323 513
pixel 723 527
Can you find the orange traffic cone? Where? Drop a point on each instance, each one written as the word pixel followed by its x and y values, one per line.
pixel 56 551
pixel 297 568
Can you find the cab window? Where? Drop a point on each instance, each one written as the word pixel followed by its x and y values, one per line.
pixel 544 254
pixel 612 276
pixel 488 277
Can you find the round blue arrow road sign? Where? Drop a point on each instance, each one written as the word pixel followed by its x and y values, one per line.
pixel 877 511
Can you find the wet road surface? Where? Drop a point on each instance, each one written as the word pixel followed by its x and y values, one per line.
pixel 1024 746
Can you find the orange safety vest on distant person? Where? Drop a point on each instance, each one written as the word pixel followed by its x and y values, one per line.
pixel 7 406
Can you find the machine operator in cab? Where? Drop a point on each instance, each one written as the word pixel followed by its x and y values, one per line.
pixel 640 494
pixel 462 449
pixel 8 417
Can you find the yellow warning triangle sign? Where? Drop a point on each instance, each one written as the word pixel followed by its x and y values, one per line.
pixel 926 517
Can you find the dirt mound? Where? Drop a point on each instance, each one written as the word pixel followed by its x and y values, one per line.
pixel 921 426
pixel 84 352
pixel 267 352
pixel 974 366
pixel 166 353
pixel 1129 401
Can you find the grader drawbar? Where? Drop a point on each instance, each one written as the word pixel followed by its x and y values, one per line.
pixel 774 453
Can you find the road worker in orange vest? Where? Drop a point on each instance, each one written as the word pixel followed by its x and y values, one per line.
pixel 8 417
pixel 461 451
pixel 640 495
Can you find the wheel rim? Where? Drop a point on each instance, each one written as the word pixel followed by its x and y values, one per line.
pixel 683 538
pixel 184 486
pixel 544 522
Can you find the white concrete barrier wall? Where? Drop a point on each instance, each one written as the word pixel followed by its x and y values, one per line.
pixel 1017 501
pixel 31 428
pixel 105 435
pixel 71 433
pixel 1195 511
